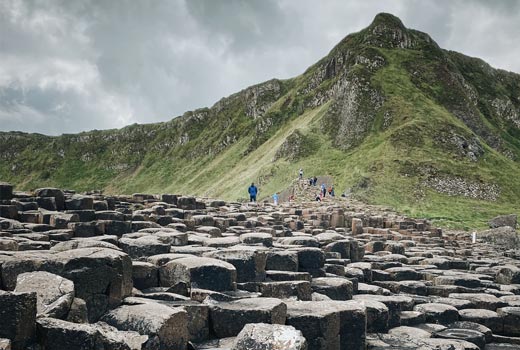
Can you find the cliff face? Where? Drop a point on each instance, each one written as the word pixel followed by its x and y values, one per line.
pixel 391 116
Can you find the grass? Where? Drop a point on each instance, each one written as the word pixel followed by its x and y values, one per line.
pixel 193 154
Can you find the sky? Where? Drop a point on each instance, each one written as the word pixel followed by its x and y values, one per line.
pixel 70 66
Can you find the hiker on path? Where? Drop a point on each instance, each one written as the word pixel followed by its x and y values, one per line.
pixel 301 174
pixel 314 181
pixel 323 190
pixel 275 198
pixel 253 191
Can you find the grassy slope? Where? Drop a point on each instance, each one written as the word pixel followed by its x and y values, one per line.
pixel 389 161
pixel 418 119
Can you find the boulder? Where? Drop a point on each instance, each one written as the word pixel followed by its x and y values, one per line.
pixel 438 313
pixel 511 320
pixel 257 238
pixel 249 263
pixel 79 202
pixel 282 260
pixel 143 246
pixel 334 287
pixel 166 327
pixel 17 318
pixel 6 191
pixel 57 334
pixel 55 193
pixel 503 220
pixel 101 277
pixel 319 325
pixel 300 290
pixel 263 336
pixel 488 318
pixel 54 293
pixel 353 323
pixel 203 273
pixel 228 318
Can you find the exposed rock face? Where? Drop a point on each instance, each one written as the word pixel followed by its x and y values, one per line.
pixel 457 186
pixel 504 220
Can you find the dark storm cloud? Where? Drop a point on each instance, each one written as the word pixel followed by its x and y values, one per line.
pixel 67 66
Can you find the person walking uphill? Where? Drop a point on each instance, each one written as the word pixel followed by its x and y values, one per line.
pixel 253 191
pixel 275 198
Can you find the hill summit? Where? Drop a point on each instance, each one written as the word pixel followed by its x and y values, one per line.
pixel 389 115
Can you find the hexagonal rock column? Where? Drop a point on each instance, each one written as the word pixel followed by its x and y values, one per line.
pixel 6 191
pixel 353 323
pixel 377 315
pixel 335 288
pixel 511 317
pixel 249 262
pixel 438 313
pixel 57 334
pixel 320 325
pixel 395 304
pixel 310 260
pixel 203 273
pixel 262 336
pixel 488 318
pixel 167 327
pixel 17 318
pixel 228 318
pixel 102 277
pixel 54 293
pixel 55 193
pixel 143 246
pixel 282 260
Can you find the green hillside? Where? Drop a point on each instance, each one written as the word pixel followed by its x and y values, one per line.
pixel 393 118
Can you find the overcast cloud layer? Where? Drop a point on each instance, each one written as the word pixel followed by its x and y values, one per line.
pixel 69 66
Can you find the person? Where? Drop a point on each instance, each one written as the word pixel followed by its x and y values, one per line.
pixel 323 190
pixel 301 174
pixel 318 197
pixel 332 191
pixel 315 181
pixel 275 198
pixel 310 181
pixel 253 191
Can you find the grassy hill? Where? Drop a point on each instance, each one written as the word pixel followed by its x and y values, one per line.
pixel 393 118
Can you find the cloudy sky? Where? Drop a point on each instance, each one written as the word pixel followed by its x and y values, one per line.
pixel 68 66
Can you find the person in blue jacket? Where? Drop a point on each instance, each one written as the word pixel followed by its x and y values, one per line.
pixel 253 191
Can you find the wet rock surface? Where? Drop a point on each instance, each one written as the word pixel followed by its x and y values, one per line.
pixel 88 271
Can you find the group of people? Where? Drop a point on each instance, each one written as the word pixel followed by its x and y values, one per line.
pixel 323 192
pixel 253 190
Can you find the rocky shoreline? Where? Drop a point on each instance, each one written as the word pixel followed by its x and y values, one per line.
pixel 92 271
